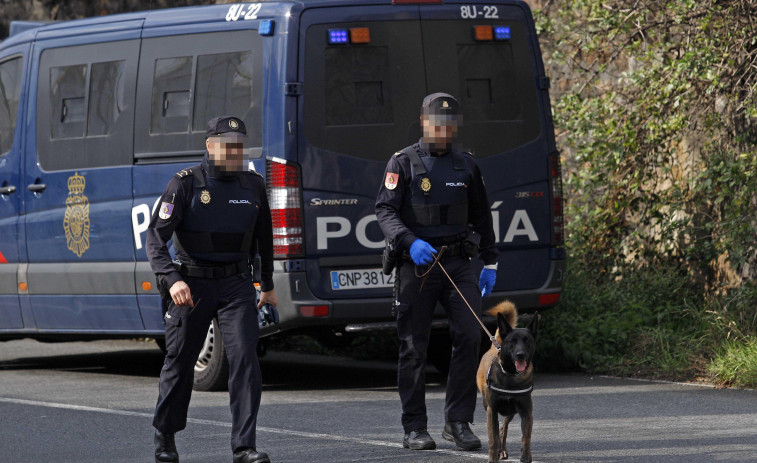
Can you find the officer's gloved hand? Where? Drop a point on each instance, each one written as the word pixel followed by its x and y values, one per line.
pixel 267 315
pixel 421 252
pixel 486 281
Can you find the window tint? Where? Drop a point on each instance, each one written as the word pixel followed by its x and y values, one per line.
pixel 357 86
pixel 10 88
pixel 224 86
pixel 170 95
pixel 85 106
pixel 193 78
pixel 67 90
pixel 107 99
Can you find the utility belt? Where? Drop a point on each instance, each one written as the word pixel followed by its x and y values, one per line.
pixel 213 272
pixel 466 245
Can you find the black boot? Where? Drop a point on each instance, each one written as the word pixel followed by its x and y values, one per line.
pixel 418 440
pixel 250 456
pixel 165 448
pixel 459 432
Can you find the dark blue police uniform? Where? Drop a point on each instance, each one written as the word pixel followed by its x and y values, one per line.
pixel 218 222
pixel 438 197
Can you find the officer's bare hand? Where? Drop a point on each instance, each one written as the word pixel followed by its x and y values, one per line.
pixel 181 295
pixel 268 297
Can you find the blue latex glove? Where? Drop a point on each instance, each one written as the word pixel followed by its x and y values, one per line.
pixel 421 252
pixel 486 281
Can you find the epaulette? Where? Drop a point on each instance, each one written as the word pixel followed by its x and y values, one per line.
pixel 253 171
pixel 469 153
pixel 398 153
pixel 185 172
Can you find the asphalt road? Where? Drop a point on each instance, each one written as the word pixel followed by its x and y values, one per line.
pixel 93 402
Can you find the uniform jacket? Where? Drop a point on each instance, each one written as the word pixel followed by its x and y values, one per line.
pixel 222 207
pixel 453 175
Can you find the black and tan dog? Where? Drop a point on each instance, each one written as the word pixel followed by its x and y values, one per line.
pixel 505 379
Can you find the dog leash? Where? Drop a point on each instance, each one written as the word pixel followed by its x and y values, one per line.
pixel 437 260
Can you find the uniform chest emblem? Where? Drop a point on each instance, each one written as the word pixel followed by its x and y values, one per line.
pixel 425 184
pixel 390 182
pixel 76 218
pixel 205 197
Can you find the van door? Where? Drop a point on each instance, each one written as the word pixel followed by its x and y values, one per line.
pixel 78 183
pixel 364 83
pixel 487 57
pixel 12 63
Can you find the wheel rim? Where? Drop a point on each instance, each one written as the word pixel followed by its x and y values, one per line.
pixel 207 350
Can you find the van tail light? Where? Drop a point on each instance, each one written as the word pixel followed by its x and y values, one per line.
pixel 558 218
pixel 285 198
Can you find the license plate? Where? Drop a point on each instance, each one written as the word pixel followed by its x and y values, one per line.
pixel 360 279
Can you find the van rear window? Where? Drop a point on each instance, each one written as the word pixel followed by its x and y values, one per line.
pixel 10 88
pixel 363 98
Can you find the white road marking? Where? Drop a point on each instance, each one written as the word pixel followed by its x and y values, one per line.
pixel 310 435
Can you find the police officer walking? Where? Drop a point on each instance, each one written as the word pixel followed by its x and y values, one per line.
pixel 218 215
pixel 432 199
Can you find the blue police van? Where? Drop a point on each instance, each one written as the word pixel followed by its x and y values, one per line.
pixel 97 114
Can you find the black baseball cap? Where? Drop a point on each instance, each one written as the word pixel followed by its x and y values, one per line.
pixel 225 125
pixel 442 104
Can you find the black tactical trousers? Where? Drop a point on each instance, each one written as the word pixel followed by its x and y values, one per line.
pixel 232 301
pixel 416 301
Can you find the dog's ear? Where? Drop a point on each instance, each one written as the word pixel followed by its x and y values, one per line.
pixel 504 327
pixel 533 326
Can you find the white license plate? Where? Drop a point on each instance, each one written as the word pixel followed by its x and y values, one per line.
pixel 360 279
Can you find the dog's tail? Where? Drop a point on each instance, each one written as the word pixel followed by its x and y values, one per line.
pixel 508 310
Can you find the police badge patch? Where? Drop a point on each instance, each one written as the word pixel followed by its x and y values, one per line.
pixel 205 197
pixel 166 209
pixel 76 218
pixel 390 182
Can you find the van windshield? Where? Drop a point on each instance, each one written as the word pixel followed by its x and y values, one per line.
pixel 363 99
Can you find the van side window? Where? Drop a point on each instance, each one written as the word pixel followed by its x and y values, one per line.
pixel 186 80
pixel 68 86
pixel 170 95
pixel 85 102
pixel 10 88
pixel 107 99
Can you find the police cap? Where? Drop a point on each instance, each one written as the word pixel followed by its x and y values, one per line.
pixel 225 125
pixel 440 104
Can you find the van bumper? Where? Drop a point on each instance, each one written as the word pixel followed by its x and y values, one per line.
pixel 300 310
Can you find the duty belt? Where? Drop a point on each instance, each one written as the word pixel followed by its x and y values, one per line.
pixel 213 272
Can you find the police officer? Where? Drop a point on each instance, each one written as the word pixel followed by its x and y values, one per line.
pixel 218 216
pixel 432 196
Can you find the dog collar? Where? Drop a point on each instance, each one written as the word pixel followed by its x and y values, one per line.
pixel 525 391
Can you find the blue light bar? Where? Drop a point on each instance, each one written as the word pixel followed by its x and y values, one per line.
pixel 265 27
pixel 501 33
pixel 338 36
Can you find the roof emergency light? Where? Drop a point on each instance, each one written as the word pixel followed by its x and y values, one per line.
pixel 483 33
pixel 338 36
pixel 266 27
pixel 501 32
pixel 360 35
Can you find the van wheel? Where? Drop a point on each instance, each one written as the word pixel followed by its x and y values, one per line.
pixel 212 367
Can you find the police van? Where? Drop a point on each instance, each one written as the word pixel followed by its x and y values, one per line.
pixel 97 114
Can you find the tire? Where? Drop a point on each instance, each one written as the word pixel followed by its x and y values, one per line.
pixel 212 367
